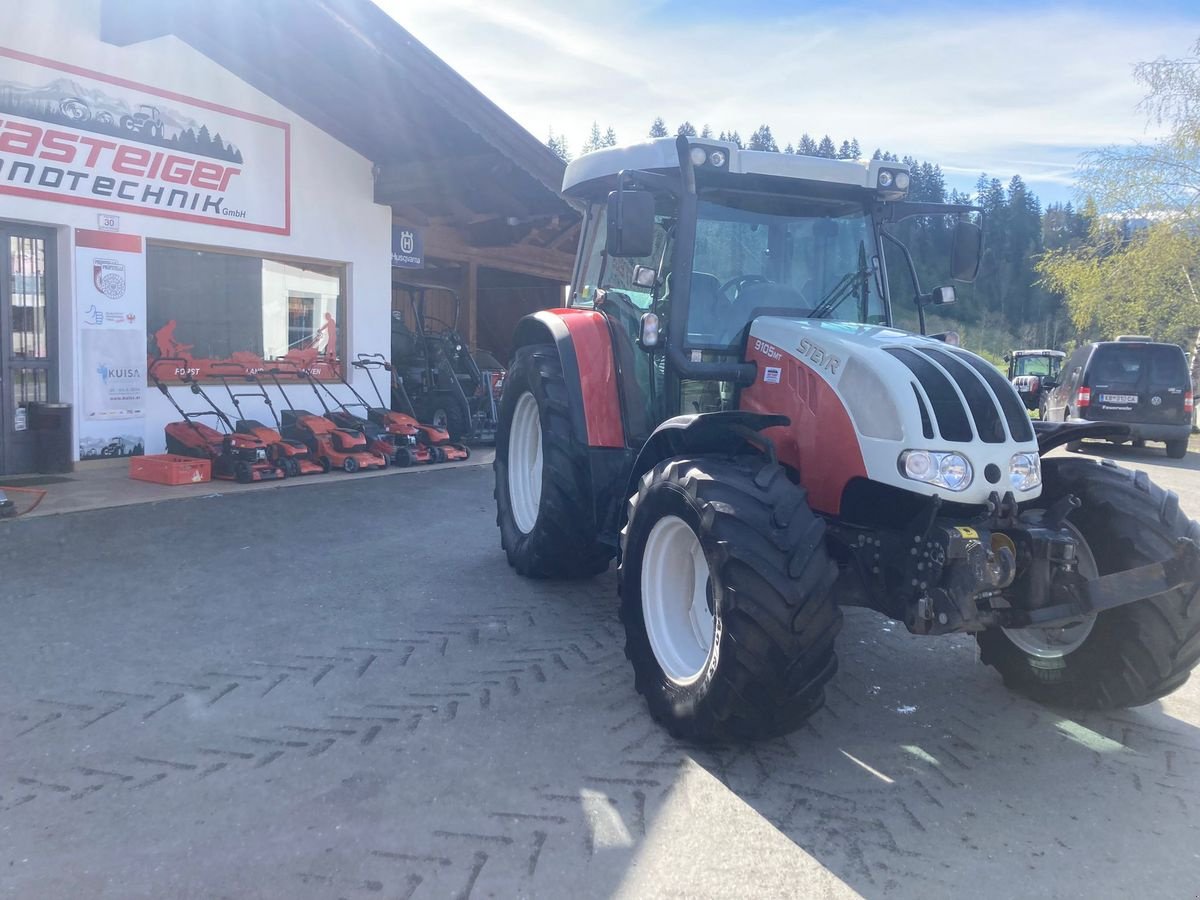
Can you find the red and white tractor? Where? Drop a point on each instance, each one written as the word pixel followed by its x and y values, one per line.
pixel 726 408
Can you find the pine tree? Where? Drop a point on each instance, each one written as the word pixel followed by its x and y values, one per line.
pixel 687 129
pixel 594 141
pixel 789 149
pixel 658 128
pixel 610 138
pixel 855 149
pixel 826 148
pixel 807 146
pixel 736 139
pixel 706 131
pixel 762 139
pixel 844 151
pixel 558 144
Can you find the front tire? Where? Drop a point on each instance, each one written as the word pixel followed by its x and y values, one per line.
pixel 543 483
pixel 726 599
pixel 1131 654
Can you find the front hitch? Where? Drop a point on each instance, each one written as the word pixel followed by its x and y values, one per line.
pixel 1088 597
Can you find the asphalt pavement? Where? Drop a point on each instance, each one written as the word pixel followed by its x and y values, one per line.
pixel 343 691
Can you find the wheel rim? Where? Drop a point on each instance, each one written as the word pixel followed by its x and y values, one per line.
pixel 676 600
pixel 1055 643
pixel 525 463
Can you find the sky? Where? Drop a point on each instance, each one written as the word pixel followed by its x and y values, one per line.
pixel 998 87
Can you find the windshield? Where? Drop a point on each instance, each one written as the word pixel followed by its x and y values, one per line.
pixel 763 255
pixel 1036 365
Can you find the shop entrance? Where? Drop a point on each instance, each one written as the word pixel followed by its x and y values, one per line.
pixel 27 353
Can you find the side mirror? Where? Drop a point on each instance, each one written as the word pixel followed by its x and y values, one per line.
pixel 942 296
pixel 630 224
pixel 967 251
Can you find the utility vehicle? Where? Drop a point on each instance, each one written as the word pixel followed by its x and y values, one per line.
pixel 727 408
pixel 1141 384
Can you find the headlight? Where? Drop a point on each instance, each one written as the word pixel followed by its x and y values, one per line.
pixel 1025 471
pixel 885 179
pixel 943 469
pixel 902 181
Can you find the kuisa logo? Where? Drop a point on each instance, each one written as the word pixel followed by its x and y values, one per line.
pixel 407 242
pixel 105 372
pixel 109 277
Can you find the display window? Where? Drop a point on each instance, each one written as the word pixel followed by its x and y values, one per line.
pixel 209 312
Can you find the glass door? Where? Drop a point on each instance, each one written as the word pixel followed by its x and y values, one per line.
pixel 27 346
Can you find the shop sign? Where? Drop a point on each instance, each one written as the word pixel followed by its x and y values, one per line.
pixel 71 135
pixel 408 248
pixel 111 302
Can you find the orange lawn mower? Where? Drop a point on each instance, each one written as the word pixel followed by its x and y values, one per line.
pixel 434 438
pixel 331 446
pixel 291 455
pixel 234 457
pixel 398 443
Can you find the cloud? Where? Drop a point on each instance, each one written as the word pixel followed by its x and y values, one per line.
pixel 974 88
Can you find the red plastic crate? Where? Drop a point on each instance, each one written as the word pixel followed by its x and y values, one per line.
pixel 166 468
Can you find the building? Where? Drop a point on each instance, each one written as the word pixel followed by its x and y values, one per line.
pixel 205 188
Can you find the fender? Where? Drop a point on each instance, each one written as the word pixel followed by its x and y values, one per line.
pixel 585 349
pixel 701 433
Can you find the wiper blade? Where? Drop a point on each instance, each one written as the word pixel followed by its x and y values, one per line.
pixel 832 300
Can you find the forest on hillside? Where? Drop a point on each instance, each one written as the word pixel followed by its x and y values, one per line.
pixel 1007 307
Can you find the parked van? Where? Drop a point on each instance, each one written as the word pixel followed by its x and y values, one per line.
pixel 1133 381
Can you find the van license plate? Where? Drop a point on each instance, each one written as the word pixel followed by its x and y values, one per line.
pixel 1118 398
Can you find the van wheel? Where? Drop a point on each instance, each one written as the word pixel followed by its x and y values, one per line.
pixel 1177 449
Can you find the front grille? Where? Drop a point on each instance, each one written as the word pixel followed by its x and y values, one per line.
pixel 991 404
pixel 952 422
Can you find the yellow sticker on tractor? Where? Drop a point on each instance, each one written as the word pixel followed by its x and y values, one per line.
pixel 967 532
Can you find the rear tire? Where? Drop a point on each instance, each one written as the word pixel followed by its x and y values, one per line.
pixel 1135 653
pixel 1177 449
pixel 404 458
pixel 551 531
pixel 773 618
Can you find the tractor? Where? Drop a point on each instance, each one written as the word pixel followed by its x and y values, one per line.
pixel 726 408
pixel 1029 370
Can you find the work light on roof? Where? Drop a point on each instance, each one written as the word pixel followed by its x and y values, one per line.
pixel 717 158
pixel 902 181
pixel 699 156
pixel 885 179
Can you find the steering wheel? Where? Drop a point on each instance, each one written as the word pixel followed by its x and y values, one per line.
pixel 740 282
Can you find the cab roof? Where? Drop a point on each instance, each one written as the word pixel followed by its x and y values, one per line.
pixel 593 169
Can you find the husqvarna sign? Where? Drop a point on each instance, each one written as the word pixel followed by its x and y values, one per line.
pixel 408 251
pixel 72 135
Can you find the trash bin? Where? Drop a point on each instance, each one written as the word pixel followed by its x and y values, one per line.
pixel 51 426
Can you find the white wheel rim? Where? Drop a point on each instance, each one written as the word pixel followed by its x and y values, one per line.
pixel 675 600
pixel 525 463
pixel 1055 643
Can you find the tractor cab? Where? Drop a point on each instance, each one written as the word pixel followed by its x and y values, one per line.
pixel 686 244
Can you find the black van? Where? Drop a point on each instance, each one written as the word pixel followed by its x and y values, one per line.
pixel 1133 381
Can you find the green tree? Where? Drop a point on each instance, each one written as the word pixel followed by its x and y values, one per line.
pixel 558 144
pixel 658 128
pixel 807 146
pixel 687 129
pixel 762 139
pixel 610 138
pixel 706 131
pixel 826 148
pixel 595 140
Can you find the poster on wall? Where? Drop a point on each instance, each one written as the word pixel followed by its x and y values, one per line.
pixel 110 298
pixel 77 136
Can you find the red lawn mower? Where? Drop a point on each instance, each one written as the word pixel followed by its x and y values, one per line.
pixel 330 445
pixel 234 457
pixel 433 441
pixel 397 445
pixel 290 455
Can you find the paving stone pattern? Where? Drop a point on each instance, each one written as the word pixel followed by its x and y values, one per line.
pixel 344 692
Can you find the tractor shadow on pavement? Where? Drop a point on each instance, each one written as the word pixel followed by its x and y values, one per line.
pixel 925 775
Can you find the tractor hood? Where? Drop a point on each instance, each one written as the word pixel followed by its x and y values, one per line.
pixel 904 393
